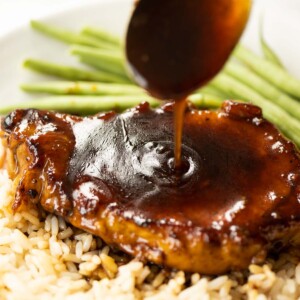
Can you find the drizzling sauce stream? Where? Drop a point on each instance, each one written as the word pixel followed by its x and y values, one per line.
pixel 175 46
pixel 179 108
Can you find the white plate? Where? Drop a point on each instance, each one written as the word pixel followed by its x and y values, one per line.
pixel 281 28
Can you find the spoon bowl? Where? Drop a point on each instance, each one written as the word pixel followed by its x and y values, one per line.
pixel 175 46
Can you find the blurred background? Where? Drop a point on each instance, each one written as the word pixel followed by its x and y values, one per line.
pixel 13 13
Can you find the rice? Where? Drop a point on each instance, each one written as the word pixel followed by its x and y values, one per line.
pixel 49 259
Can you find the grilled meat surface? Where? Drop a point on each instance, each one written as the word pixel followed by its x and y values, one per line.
pixel 112 175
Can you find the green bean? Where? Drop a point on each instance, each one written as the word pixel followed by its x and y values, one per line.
pixel 102 66
pixel 82 88
pixel 68 36
pixel 114 57
pixel 84 105
pixel 268 70
pixel 263 87
pixel 203 100
pixel 286 123
pixel 212 90
pixel 102 59
pixel 102 35
pixel 269 54
pixel 71 73
pixel 241 82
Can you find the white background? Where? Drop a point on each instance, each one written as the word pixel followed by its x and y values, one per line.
pixel 14 13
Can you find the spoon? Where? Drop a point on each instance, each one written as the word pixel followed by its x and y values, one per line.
pixel 175 46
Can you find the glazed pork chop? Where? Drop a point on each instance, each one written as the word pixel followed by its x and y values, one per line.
pixel 238 192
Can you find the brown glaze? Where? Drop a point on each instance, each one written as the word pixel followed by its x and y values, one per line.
pixel 175 46
pixel 240 177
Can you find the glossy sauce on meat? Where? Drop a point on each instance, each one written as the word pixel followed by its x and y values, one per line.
pixel 240 177
pixel 224 171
